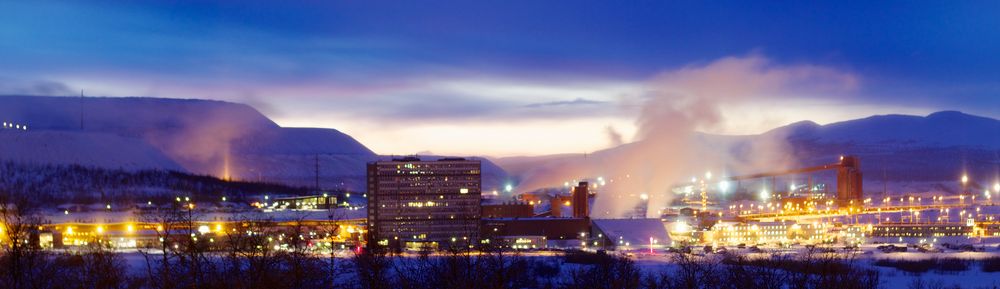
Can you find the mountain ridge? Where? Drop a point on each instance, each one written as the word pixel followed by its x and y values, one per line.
pixel 209 137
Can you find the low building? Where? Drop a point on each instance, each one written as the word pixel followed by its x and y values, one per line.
pixel 988 229
pixel 508 210
pixel 306 202
pixel 519 242
pixel 729 233
pixel 629 234
pixel 550 228
pixel 921 230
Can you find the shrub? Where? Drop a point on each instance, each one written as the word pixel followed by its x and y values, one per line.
pixel 909 266
pixel 952 265
pixel 991 264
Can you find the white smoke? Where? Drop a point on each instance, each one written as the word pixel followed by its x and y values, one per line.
pixel 669 149
pixel 614 137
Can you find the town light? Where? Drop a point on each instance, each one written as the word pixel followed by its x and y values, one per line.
pixel 681 227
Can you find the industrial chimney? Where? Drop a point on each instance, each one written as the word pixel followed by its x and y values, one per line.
pixel 580 203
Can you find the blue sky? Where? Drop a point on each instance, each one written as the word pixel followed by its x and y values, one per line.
pixel 508 77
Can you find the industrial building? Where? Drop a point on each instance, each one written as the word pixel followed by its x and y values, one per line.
pixel 508 210
pixel 614 234
pixel 414 203
pixel 550 228
pixel 518 222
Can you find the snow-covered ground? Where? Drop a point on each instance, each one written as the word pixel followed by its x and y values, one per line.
pixel 650 263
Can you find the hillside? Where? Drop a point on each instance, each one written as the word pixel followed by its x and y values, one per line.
pixel 70 147
pixel 205 137
pixel 56 184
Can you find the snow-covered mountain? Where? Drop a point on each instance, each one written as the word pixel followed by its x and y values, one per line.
pixel 898 153
pixel 70 147
pixel 939 129
pixel 224 139
pixel 905 153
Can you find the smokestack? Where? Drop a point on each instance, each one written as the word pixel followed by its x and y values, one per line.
pixel 580 209
pixel 849 182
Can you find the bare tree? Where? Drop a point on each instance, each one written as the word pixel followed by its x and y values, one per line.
pixel 609 271
pixel 96 266
pixel 181 251
pixel 372 268
pixel 250 259
pixel 22 255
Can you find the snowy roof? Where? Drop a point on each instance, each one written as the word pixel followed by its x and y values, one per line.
pixel 634 231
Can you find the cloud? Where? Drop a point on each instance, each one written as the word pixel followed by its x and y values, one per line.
pixel 33 87
pixel 698 93
pixel 576 102
pixel 474 99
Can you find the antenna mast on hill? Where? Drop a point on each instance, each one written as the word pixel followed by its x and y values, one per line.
pixel 317 172
pixel 81 109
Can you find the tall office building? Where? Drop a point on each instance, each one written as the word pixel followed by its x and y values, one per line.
pixel 424 204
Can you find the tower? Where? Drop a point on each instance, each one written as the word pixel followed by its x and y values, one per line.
pixel 580 203
pixel 849 180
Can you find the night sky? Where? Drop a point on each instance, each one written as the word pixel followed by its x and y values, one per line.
pixel 511 77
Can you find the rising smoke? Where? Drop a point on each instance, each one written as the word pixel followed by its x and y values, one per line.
pixel 614 137
pixel 669 147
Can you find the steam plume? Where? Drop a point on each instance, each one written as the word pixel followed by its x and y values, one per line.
pixel 669 148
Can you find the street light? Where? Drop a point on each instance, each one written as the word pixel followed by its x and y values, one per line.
pixel 965 181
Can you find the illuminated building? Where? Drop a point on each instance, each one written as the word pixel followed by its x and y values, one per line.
pixel 989 229
pixel 519 242
pixel 766 233
pixel 921 230
pixel 415 203
pixel 305 202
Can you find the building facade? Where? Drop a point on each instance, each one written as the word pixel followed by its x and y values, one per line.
pixel 762 233
pixel 426 204
pixel 921 230
pixel 508 210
